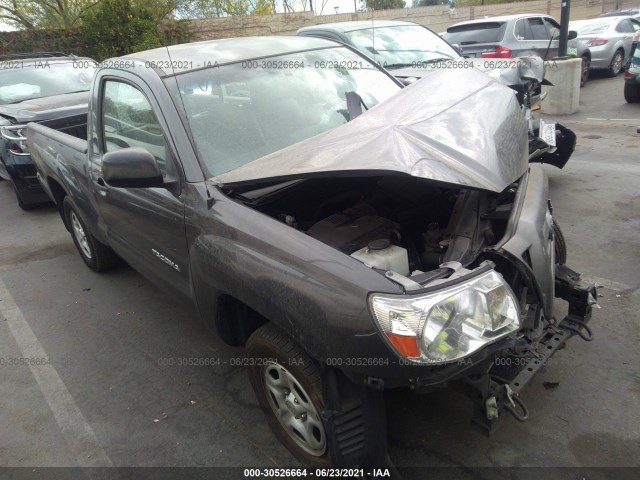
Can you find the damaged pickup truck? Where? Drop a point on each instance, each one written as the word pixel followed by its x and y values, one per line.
pixel 352 241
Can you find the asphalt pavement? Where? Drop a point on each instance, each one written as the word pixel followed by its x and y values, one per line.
pixel 116 385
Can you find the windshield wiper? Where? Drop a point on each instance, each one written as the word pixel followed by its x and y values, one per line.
pixel 393 66
pixel 435 60
pixel 354 104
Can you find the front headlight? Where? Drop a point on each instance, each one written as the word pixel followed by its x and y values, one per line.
pixel 17 142
pixel 448 324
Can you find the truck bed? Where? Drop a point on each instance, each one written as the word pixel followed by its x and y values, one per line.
pixel 55 154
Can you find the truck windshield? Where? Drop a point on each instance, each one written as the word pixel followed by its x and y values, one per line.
pixel 26 80
pixel 240 112
pixel 401 45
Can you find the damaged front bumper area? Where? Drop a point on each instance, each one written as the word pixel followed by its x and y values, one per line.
pixel 497 390
pixel 551 143
pixel 493 378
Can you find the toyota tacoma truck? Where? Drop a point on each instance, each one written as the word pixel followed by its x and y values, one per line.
pixel 352 234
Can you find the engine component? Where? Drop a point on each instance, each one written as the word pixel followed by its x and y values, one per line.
pixel 348 234
pixel 385 256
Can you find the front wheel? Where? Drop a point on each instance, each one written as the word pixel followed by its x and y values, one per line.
pixel 289 390
pixel 97 256
pixel 560 244
pixel 615 67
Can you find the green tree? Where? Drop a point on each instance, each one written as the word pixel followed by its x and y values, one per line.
pixel 44 13
pixel 224 8
pixel 128 29
pixel 382 4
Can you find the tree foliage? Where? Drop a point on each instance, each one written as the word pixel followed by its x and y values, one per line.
pixel 128 29
pixel 382 4
pixel 31 14
pixel 44 13
pixel 68 13
pixel 225 8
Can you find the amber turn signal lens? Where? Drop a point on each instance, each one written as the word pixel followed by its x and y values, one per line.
pixel 406 345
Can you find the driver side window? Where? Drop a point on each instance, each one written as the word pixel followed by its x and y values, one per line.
pixel 128 120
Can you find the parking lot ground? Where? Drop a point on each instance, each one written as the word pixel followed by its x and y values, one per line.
pixel 114 390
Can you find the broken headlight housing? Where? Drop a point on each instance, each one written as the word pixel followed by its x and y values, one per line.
pixel 448 324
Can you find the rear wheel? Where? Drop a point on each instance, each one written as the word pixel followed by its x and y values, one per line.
pixel 632 93
pixel 584 74
pixel 97 256
pixel 615 67
pixel 289 390
pixel 560 244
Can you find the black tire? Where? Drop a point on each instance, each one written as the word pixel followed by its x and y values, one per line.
pixel 97 256
pixel 560 244
pixel 276 356
pixel 615 67
pixel 584 73
pixel 632 93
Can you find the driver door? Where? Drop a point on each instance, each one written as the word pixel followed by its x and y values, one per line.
pixel 145 226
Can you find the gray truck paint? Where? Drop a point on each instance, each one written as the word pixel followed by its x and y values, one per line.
pixel 313 292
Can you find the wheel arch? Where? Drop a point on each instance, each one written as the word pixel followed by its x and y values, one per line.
pixel 236 321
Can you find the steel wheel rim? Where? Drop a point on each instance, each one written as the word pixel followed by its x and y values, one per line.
pixel 617 63
pixel 81 237
pixel 294 409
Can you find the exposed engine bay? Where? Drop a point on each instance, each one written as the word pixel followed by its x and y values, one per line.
pixel 394 223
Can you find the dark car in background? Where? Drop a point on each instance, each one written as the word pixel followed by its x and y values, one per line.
pixel 632 80
pixel 630 12
pixel 511 36
pixel 50 88
pixel 393 44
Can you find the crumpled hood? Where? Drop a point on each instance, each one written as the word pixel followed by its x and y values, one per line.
pixel 47 108
pixel 462 129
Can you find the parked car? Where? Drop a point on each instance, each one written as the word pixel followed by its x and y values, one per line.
pixel 631 12
pixel 353 235
pixel 632 80
pixel 393 44
pixel 609 39
pixel 51 88
pixel 410 51
pixel 515 36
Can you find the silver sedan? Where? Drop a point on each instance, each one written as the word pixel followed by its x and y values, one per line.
pixel 609 39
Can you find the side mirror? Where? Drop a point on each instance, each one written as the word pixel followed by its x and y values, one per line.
pixel 572 34
pixel 132 167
